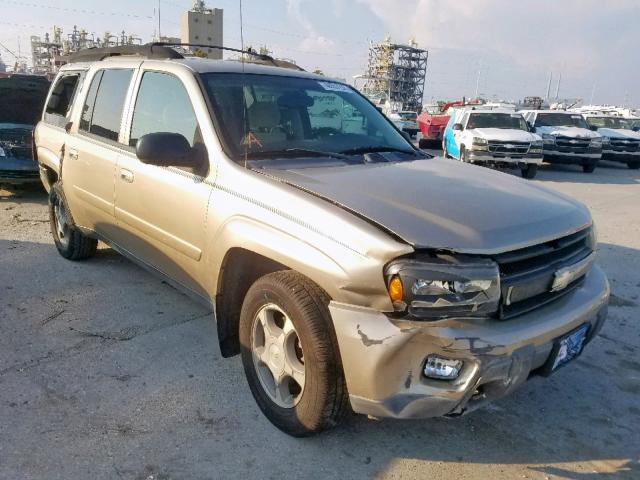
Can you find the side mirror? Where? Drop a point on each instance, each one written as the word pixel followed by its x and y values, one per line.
pixel 532 129
pixel 406 136
pixel 593 128
pixel 165 149
pixel 457 126
pixel 636 129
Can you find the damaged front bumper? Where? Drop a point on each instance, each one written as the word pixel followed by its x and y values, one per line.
pixel 384 358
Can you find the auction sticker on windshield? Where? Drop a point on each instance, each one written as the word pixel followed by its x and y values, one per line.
pixel 335 87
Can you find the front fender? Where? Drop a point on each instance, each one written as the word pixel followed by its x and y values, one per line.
pixel 342 272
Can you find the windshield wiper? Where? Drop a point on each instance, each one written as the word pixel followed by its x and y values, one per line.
pixel 295 152
pixel 375 149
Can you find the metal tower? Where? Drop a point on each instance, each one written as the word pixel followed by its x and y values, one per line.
pixel 397 72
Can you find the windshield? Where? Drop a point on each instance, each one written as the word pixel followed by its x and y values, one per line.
pixel 610 122
pixel 408 115
pixel 263 115
pixel 513 121
pixel 560 120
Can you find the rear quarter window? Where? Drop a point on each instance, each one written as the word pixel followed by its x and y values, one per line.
pixel 60 101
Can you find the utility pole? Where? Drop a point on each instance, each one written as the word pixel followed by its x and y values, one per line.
pixel 558 86
pixel 159 28
pixel 478 79
pixel 593 92
pixel 549 84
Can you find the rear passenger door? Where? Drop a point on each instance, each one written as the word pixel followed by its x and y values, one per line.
pixel 92 150
pixel 161 211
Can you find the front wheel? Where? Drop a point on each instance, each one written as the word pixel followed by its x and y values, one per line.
pixel 70 242
pixel 633 165
pixel 464 156
pixel 588 167
pixel 529 171
pixel 290 354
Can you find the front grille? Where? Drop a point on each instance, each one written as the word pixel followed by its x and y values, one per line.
pixel 526 275
pixel 625 145
pixel 509 148
pixel 570 142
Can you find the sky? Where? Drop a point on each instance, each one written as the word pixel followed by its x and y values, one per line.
pixel 508 48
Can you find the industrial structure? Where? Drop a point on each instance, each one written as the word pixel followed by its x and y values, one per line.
pixel 50 53
pixel 395 75
pixel 202 25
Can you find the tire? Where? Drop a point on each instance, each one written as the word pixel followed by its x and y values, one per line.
pixel 287 300
pixel 463 155
pixel 530 172
pixel 423 143
pixel 69 241
pixel 633 165
pixel 588 167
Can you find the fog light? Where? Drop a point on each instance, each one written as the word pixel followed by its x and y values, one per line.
pixel 442 368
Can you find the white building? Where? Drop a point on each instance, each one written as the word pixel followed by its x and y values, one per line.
pixel 203 26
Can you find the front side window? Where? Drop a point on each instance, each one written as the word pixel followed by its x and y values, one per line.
pixel 560 120
pixel 513 121
pixel 59 103
pixel 102 115
pixel 163 105
pixel 263 115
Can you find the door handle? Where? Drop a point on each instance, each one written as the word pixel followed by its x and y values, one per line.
pixel 126 175
pixel 73 154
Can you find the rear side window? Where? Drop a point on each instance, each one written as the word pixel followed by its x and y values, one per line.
pixel 163 105
pixel 102 112
pixel 61 98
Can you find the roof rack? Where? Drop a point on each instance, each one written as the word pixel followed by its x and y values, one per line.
pixel 164 51
pixel 151 51
pixel 261 58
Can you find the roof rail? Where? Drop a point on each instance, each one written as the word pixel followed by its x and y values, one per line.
pixel 261 58
pixel 151 51
pixel 164 50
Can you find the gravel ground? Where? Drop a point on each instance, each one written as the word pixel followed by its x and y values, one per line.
pixel 106 372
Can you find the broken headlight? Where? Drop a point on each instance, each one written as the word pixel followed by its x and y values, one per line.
pixel 445 286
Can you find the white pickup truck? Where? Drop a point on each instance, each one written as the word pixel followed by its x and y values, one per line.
pixel 620 139
pixel 406 121
pixel 494 138
pixel 567 137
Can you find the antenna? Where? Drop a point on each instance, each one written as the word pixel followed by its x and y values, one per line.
pixel 244 101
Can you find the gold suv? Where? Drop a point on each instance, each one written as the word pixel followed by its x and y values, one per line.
pixel 348 268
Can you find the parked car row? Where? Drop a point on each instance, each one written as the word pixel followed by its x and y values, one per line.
pixel 524 139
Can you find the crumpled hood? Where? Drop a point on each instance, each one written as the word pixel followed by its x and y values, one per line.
pixel 619 133
pixel 574 132
pixel 444 204
pixel 504 134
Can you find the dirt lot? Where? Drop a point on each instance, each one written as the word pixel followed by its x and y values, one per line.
pixel 106 372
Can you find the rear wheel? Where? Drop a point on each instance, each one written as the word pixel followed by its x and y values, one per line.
pixel 290 354
pixel 69 241
pixel 588 167
pixel 633 165
pixel 529 171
